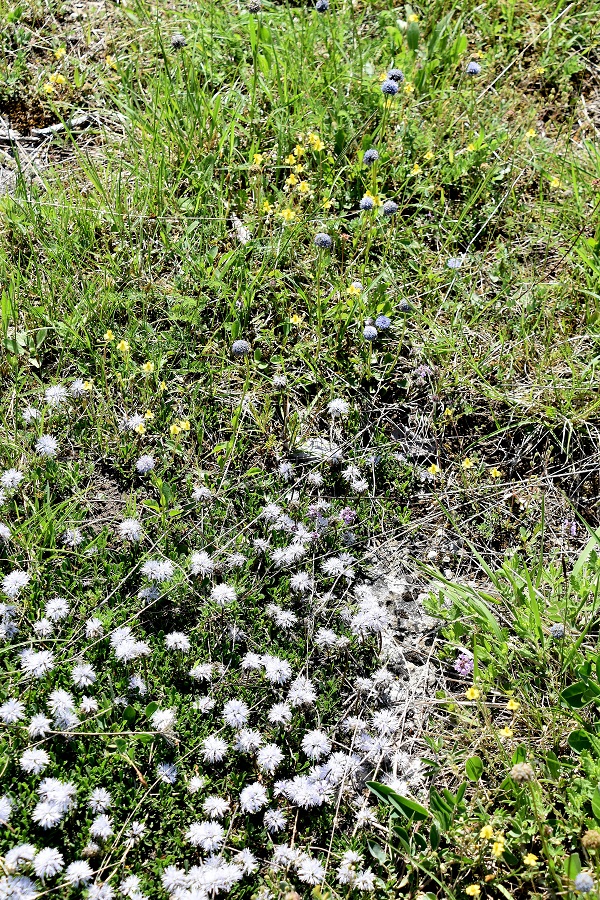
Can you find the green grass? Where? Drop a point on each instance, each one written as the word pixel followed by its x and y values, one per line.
pixel 123 230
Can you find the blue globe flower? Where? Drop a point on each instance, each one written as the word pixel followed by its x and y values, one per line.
pixel 396 75
pixel 322 6
pixel 389 208
pixel 584 883
pixel 383 323
pixel 240 348
pixel 389 87
pixel 323 241
pixel 370 333
pixel 367 203
pixel 473 68
pixel 370 156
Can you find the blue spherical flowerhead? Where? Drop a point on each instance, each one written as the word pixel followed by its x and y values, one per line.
pixel 404 306
pixel 240 348
pixel 370 156
pixel 389 208
pixel 473 68
pixel 389 87
pixel 382 323
pixel 367 203
pixel 370 333
pixel 322 6
pixel 584 883
pixel 557 631
pixel 455 262
pixel 323 241
pixel 396 75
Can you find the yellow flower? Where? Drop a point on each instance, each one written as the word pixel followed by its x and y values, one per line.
pixel 148 368
pixel 472 693
pixel 108 335
pixel 555 182
pixel 287 215
pixel 513 705
pixel 506 732
pixel 141 429
pixel 315 142
pixel 495 473
pixel 449 412
pixel 383 76
pixel 291 180
pixel 48 88
pixel 60 53
pixel 429 155
pixel 486 833
pixel 163 386
pixel 353 290
pixel 290 160
pixel 530 134
pixel 298 169
pixel 57 78
pixel 473 890
pixel 257 159
pixel 267 207
pixel 174 430
pixel 88 385
pixel 433 469
pixel 540 70
pixel 296 319
pixel 408 88
pixel 470 147
pixel 111 62
pixel 327 203
pixel 530 860
pixel 497 849
pixel 467 463
pixel 123 346
pixel 412 18
pixel 149 415
pixel 299 151
pixel 185 425
pixel 416 169
pixel 303 187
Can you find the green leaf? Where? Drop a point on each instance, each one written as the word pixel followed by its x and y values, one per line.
pixel 151 708
pixel 474 768
pixel 581 740
pixel 129 714
pixel 377 851
pixel 573 866
pixel 121 745
pixel 434 836
pixel 596 804
pixel 410 808
pixel 413 33
pixel 520 755
pixel 576 695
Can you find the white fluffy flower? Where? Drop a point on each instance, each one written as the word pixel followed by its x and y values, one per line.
pixel 12 711
pixel 280 714
pixel 36 663
pixel 34 760
pixel 100 800
pixel 14 582
pixel 201 563
pixel 167 773
pixel 55 395
pixel 102 827
pixel 130 530
pixel 316 744
pixel 83 675
pixel 310 870
pixel 57 609
pixel 301 583
pixel 46 445
pixel 48 863
pixel 78 873
pixel 274 821
pixel 19 856
pixel 39 726
pixel 6 806
pixel 94 628
pixel 277 671
pixel 235 713
pixel 202 672
pixel 158 570
pixel 215 807
pixel 11 479
pixel 210 836
pixel 223 594
pixel 338 408
pixel 177 640
pixel 214 749
pixel 269 758
pixel 302 692
pixel 163 720
pixel 253 797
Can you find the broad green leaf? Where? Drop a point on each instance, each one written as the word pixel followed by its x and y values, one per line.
pixel 474 768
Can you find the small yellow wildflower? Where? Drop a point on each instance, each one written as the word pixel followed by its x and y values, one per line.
pixel 530 860
pixel 409 88
pixel 163 386
pixel 299 151
pixel 513 705
pixel 486 833
pixel 48 88
pixel 174 430
pixel 495 473
pixel 287 215
pixel 299 168
pixel 291 180
pixel 327 204
pixel 267 207
pixel 57 78
pixel 148 368
pixel 433 469
pixel 449 412
pixel 303 187
pixel 60 53
pixel 257 159
pixel 472 890
pixel 149 415
pixel 88 385
pixel 412 18
pixel 539 70
pixel 506 732
pixel 416 169
pixel 291 160
pixel 108 335
pixel 353 290
pixel 111 62
pixel 497 849
pixel 530 134
pixel 185 425
pixel 315 142
pixel 472 693
pixel 470 147
pixel 141 429
pixel 467 463
pixel 296 319
pixel 383 76
pixel 555 182
pixel 123 346
pixel 429 155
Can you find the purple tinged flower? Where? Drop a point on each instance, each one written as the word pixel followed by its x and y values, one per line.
pixel 584 883
pixel 240 348
pixel 370 156
pixel 389 208
pixel 322 6
pixel 396 75
pixel 348 515
pixel 323 241
pixel 389 87
pixel 473 68
pixel 367 203
pixel 557 631
pixel 383 323
pixel 370 333
pixel 464 664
